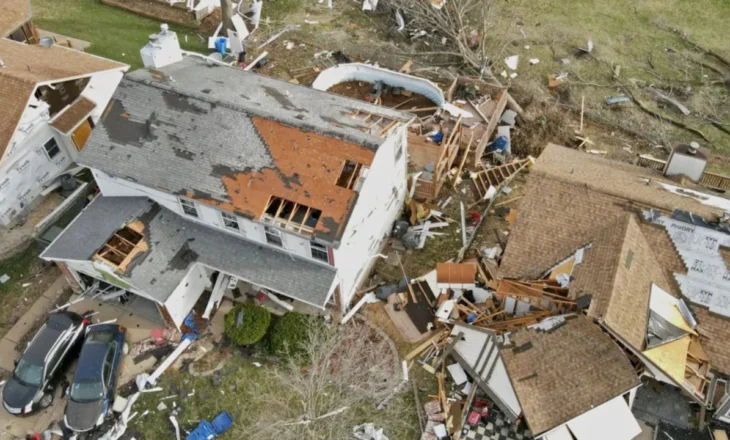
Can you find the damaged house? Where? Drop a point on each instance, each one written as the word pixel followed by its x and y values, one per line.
pixel 525 374
pixel 52 98
pixel 217 179
pixel 644 258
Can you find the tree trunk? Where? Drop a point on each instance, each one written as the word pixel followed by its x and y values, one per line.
pixel 227 13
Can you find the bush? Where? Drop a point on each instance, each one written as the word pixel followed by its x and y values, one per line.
pixel 253 326
pixel 290 332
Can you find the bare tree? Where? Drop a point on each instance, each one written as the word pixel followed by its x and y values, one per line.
pixel 465 29
pixel 347 372
pixel 226 15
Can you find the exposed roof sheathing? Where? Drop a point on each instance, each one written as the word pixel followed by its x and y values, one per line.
pixel 13 13
pixel 456 273
pixel 27 65
pixel 176 244
pixel 234 139
pixel 70 117
pixel 561 373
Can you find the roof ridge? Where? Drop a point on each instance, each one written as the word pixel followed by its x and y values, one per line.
pixel 303 125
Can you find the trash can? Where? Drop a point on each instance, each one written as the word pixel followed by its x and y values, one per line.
pixel 222 422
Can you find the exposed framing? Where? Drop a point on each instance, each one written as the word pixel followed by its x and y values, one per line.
pixel 125 244
pixel 349 174
pixel 429 189
pixel 290 215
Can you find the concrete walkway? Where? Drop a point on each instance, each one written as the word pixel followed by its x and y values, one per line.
pixel 15 239
pixel 9 351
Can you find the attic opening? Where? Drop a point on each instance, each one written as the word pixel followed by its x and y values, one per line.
pixel 59 95
pixel 123 245
pixel 352 175
pixel 291 215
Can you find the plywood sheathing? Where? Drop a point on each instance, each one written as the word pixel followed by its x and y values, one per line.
pixel 714 331
pixel 456 273
pixel 306 168
pixel 671 357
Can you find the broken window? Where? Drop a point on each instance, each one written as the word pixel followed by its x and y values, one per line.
pixel 273 236
pixel 121 247
pixel 51 147
pixel 230 221
pixel 290 215
pixel 349 174
pixel 319 252
pixel 188 207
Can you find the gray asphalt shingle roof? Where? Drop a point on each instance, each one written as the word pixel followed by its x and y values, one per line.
pixel 176 244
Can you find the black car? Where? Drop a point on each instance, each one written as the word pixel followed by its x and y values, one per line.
pixel 31 385
pixel 94 381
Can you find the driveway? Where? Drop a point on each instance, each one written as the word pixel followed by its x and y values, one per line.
pixel 138 328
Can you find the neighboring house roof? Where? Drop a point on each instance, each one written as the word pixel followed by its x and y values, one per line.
pixel 176 244
pixel 714 331
pixel 72 115
pixel 13 13
pixel 235 139
pixel 28 65
pixel 565 371
pixel 574 199
pixel 618 271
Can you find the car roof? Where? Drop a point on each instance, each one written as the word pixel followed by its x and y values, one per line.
pixel 91 361
pixel 43 343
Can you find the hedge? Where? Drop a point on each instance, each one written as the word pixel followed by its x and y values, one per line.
pixel 254 323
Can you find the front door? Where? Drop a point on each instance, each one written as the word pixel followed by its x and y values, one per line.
pixel 81 134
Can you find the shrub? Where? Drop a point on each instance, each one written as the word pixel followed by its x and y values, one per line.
pixel 290 332
pixel 254 323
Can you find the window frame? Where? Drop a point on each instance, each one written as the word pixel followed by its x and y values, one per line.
pixel 183 202
pixel 233 219
pixel 55 147
pixel 270 231
pixel 319 248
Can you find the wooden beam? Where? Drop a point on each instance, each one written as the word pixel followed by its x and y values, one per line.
pixel 418 350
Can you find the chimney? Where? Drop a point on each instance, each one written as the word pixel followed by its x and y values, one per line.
pixel 686 160
pixel 162 49
pixel 692 149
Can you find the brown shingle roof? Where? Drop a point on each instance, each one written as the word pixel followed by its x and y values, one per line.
pixel 73 114
pixel 554 219
pixel 27 65
pixel 616 179
pixel 13 13
pixel 560 374
pixel 714 334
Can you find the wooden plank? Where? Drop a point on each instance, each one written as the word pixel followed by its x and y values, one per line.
pixel 418 350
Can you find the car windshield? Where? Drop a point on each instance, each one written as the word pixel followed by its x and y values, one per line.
pixel 87 391
pixel 28 373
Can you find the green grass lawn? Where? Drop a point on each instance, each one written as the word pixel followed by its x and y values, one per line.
pixel 23 268
pixel 113 33
pixel 241 384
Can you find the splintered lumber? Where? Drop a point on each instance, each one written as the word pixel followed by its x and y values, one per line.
pixel 515 323
pixel 418 350
pixel 497 176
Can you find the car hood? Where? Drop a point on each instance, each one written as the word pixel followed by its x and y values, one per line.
pixel 17 395
pixel 82 416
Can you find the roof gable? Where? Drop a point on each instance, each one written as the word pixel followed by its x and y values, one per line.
pixel 562 372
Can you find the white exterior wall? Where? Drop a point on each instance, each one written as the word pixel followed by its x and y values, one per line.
pixel 208 215
pixel 378 205
pixel 100 89
pixel 186 294
pixel 25 172
pixel 25 169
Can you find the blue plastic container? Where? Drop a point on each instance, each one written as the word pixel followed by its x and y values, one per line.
pixel 220 45
pixel 222 422
pixel 204 431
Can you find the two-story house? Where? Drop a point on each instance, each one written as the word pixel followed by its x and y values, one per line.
pixel 51 98
pixel 207 170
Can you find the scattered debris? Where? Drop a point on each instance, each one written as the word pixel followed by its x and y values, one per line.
pixel 512 61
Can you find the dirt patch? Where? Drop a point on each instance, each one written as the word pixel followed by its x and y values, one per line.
pixel 364 91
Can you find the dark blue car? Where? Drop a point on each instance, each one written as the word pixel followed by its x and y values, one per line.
pixel 92 389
